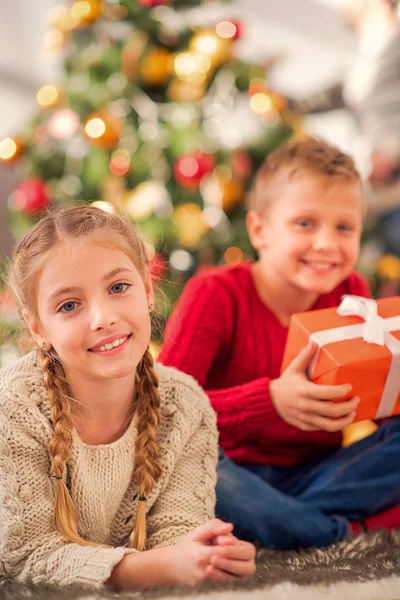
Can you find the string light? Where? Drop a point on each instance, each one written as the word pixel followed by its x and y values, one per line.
pixel 192 66
pixel 95 128
pixel 103 205
pixel 48 96
pixel 226 29
pixel 63 124
pixel 260 103
pixel 8 149
pixel 181 260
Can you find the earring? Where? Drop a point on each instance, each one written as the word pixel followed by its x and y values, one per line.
pixel 43 346
pixel 151 306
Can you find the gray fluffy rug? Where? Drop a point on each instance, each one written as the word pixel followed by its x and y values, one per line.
pixel 366 568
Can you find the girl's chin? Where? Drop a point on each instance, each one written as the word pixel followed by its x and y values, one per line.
pixel 117 374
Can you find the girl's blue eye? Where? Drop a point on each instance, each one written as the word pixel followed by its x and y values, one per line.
pixel 118 288
pixel 344 227
pixel 68 307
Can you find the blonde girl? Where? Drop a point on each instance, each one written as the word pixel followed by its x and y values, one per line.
pixel 107 461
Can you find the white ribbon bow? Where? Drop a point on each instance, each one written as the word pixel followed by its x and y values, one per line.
pixel 367 309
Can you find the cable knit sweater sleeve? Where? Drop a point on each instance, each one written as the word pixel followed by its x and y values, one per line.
pixel 187 495
pixel 30 547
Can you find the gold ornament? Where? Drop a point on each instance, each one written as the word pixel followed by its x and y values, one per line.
pixel 389 267
pixel 103 129
pixel 192 67
pixel 233 255
pixel 191 227
pixel 86 12
pixel 183 91
pixel 154 68
pixel 210 44
pixel 232 194
pixel 358 431
pixel 131 53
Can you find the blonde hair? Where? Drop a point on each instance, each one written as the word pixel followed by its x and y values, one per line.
pixel 81 223
pixel 309 155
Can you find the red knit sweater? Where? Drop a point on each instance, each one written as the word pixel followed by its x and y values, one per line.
pixel 223 335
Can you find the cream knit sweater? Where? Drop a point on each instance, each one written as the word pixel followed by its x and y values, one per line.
pixel 101 480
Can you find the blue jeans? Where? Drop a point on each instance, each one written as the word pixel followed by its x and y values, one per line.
pixel 311 504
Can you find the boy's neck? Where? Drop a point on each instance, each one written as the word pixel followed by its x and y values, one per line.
pixel 278 297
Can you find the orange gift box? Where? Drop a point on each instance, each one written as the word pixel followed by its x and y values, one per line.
pixel 344 355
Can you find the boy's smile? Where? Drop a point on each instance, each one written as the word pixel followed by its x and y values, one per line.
pixel 309 236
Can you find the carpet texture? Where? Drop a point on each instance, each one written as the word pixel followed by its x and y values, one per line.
pixel 366 568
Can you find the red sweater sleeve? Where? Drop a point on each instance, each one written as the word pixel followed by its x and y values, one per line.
pixel 198 335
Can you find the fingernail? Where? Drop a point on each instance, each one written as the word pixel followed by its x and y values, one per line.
pixel 358 399
pixel 349 387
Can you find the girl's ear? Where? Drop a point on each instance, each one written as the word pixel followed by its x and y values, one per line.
pixel 148 284
pixel 33 326
pixel 257 230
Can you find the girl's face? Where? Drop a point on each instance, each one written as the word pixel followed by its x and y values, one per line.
pixel 93 310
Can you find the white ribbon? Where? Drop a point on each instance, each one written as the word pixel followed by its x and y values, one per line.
pixel 374 330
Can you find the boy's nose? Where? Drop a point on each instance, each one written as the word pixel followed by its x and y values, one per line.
pixel 325 240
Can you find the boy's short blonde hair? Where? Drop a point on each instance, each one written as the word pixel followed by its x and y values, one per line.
pixel 312 156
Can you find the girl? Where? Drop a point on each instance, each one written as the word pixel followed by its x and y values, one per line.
pixel 102 453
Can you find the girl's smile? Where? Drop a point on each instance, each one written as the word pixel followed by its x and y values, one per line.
pixel 111 345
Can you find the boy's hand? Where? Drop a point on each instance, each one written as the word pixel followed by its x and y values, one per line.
pixel 305 404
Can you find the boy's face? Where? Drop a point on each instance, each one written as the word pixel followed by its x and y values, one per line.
pixel 309 236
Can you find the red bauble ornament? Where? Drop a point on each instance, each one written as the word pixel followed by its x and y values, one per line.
pixel 242 164
pixel 190 168
pixel 31 196
pixel 153 2
pixel 158 267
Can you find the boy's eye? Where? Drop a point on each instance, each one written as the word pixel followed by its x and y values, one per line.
pixel 304 223
pixel 345 227
pixel 67 307
pixel 118 288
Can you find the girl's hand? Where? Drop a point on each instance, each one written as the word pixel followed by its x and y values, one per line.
pixel 305 404
pixel 190 560
pixel 236 559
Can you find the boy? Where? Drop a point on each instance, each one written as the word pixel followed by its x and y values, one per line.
pixel 285 479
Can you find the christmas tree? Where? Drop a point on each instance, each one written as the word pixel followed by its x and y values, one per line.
pixel 157 116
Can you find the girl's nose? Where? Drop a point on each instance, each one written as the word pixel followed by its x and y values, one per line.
pixel 101 317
